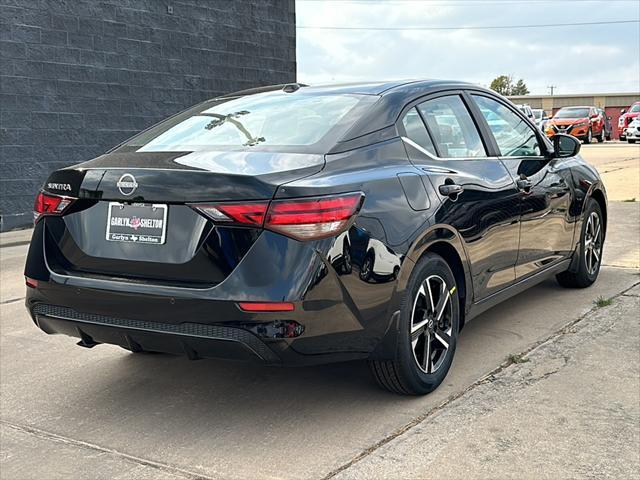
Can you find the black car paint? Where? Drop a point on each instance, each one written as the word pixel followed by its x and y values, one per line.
pixel 493 233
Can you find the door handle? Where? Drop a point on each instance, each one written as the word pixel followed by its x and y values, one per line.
pixel 524 184
pixel 451 190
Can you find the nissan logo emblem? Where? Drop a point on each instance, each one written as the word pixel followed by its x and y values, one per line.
pixel 127 184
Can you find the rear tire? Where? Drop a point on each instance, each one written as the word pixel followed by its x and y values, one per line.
pixel 589 136
pixel 601 137
pixel 428 330
pixel 589 250
pixel 631 141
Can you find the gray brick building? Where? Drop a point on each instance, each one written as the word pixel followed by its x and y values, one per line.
pixel 80 76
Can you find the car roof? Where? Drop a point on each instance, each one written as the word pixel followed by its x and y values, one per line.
pixel 363 88
pixel 577 106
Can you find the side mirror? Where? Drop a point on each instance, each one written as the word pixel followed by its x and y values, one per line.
pixel 609 117
pixel 623 111
pixel 565 146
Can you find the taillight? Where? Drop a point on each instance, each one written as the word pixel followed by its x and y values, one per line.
pixel 307 218
pixel 248 213
pixel 313 218
pixel 47 204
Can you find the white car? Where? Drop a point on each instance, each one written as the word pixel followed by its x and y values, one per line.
pixel 632 132
pixel 528 112
pixel 541 118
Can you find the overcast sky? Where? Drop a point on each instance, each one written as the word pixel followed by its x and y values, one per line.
pixel 577 59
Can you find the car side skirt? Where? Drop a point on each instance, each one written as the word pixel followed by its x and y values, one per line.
pixel 518 287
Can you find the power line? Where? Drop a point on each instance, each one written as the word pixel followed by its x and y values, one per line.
pixel 462 3
pixel 468 27
pixel 466 2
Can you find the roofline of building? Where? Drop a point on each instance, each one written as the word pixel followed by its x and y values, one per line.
pixel 578 95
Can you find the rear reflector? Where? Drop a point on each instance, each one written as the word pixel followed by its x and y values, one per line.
pixel 307 218
pixel 47 204
pixel 32 283
pixel 266 306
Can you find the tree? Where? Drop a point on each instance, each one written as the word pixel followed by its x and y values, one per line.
pixel 504 85
pixel 520 88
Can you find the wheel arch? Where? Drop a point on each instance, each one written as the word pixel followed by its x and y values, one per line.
pixel 598 195
pixel 443 240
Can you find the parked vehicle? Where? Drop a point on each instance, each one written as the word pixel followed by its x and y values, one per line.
pixel 626 118
pixel 632 132
pixel 584 123
pixel 528 112
pixel 300 225
pixel 540 117
pixel 608 127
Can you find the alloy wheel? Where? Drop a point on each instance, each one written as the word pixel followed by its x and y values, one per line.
pixel 592 243
pixel 431 324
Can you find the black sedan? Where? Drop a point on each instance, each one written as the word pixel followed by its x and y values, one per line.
pixel 300 225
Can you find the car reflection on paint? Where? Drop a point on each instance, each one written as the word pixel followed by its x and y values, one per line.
pixel 375 261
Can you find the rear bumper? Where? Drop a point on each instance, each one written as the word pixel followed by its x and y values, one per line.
pixel 195 328
pixel 191 339
pixel 342 315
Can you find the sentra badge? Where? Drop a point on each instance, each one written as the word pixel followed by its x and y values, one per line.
pixel 127 184
pixel 59 186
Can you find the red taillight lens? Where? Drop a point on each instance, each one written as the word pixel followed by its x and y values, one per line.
pixel 300 218
pixel 47 204
pixel 266 306
pixel 250 213
pixel 30 282
pixel 313 218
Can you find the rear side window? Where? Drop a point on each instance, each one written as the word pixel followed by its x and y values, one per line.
pixel 514 136
pixel 453 130
pixel 261 120
pixel 416 131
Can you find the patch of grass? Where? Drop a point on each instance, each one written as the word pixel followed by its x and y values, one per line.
pixel 517 358
pixel 629 200
pixel 602 302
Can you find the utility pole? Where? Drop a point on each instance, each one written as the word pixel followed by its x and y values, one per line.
pixel 551 88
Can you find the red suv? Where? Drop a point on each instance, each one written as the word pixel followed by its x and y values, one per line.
pixel 626 118
pixel 585 123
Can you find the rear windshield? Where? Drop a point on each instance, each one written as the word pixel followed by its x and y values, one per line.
pixel 572 113
pixel 272 119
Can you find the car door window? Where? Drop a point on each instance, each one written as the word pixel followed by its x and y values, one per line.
pixel 452 127
pixel 514 136
pixel 416 131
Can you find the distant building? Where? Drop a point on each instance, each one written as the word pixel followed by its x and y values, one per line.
pixel 612 103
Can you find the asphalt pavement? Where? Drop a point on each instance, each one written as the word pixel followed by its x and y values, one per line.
pixel 543 385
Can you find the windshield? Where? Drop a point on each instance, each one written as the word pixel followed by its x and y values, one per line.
pixel 635 108
pixel 266 119
pixel 572 113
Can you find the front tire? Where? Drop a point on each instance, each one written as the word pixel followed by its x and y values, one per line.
pixel 589 136
pixel 589 250
pixel 601 137
pixel 428 331
pixel 631 141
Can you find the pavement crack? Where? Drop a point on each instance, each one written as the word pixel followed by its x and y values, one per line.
pixel 488 378
pixel 11 300
pixel 43 434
